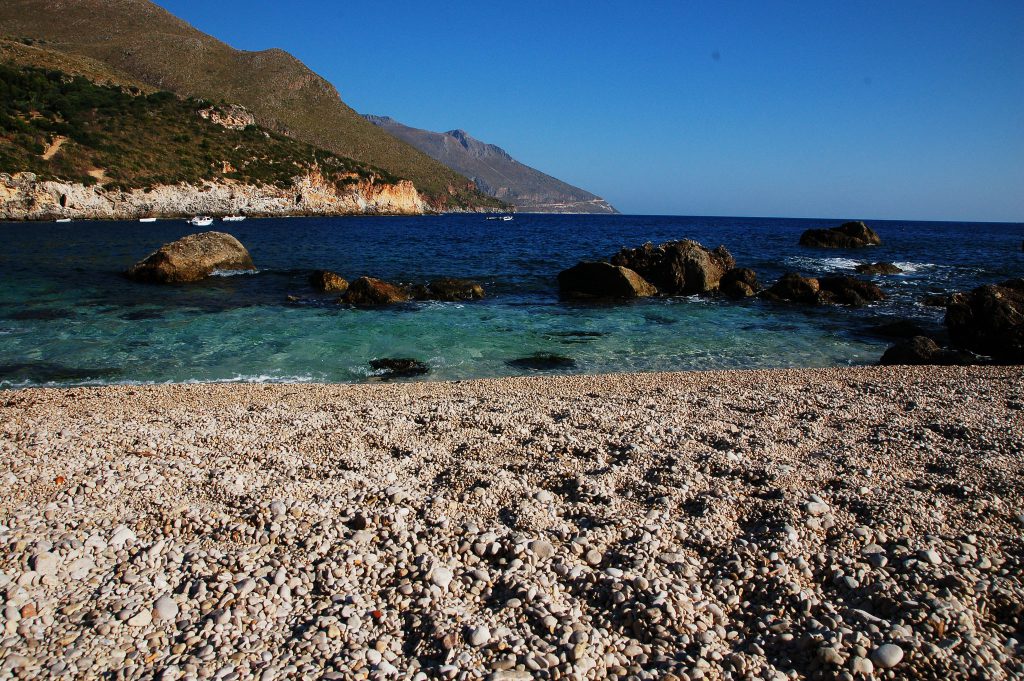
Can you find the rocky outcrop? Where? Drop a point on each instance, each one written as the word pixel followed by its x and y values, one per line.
pixel 739 282
pixel 846 235
pixel 229 116
pixel 990 320
pixel 603 280
pixel 370 292
pixel 794 288
pixel 24 197
pixel 828 290
pixel 192 258
pixel 449 289
pixel 678 267
pixel 878 268
pixel 328 282
pixel 848 291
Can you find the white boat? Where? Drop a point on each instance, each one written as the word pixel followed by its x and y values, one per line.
pixel 64 220
pixel 506 218
pixel 147 219
pixel 233 218
pixel 201 221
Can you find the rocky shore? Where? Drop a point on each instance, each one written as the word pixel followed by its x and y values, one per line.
pixel 838 523
pixel 25 197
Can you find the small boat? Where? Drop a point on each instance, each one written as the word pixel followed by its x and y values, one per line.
pixel 63 220
pixel 201 221
pixel 233 218
pixel 147 219
pixel 506 218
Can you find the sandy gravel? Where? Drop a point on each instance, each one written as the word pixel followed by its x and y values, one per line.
pixel 840 523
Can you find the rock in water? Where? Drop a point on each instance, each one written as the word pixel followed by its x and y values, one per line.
pixel 990 320
pixel 848 291
pixel 192 258
pixel 543 361
pixel 399 367
pixel 370 292
pixel 739 282
pixel 846 235
pixel 450 290
pixel 603 280
pixel 878 268
pixel 793 287
pixel 917 350
pixel 328 282
pixel 678 267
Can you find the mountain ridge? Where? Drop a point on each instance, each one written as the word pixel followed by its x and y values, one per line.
pixel 151 45
pixel 495 171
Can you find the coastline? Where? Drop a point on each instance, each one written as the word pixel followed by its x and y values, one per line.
pixel 695 525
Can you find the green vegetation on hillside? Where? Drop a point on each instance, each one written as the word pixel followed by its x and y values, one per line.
pixel 142 140
pixel 144 41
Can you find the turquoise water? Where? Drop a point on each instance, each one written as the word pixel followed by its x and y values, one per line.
pixel 67 317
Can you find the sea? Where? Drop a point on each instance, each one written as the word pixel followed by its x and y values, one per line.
pixel 69 317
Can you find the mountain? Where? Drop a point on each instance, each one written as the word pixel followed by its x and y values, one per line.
pixel 148 44
pixel 495 172
pixel 71 148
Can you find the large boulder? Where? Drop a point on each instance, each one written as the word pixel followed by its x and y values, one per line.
pixel 848 291
pixel 327 282
pixel 370 292
pixel 794 288
pixel 846 235
pixel 878 268
pixel 192 258
pixel 449 289
pixel 603 280
pixel 678 267
pixel 923 350
pixel 739 282
pixel 990 320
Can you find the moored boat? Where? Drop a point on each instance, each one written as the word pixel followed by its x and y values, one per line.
pixel 63 220
pixel 201 221
pixel 233 218
pixel 147 219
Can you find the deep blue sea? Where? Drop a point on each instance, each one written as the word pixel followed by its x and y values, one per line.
pixel 68 317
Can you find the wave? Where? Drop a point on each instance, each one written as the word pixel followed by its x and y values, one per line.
pixel 7 384
pixel 912 267
pixel 234 273
pixel 822 264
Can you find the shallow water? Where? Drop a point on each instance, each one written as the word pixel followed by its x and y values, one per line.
pixel 67 316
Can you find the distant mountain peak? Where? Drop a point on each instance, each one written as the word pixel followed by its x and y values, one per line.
pixel 495 172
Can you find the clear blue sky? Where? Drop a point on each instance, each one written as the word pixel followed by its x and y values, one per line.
pixel 818 108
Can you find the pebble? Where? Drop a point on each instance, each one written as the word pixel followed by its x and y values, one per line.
pixel 165 608
pixel 478 636
pixel 542 549
pixel 441 577
pixel 887 655
pixel 45 563
pixel 141 619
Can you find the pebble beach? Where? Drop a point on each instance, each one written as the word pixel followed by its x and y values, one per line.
pixel 850 523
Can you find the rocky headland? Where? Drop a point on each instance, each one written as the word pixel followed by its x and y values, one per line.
pixel 25 197
pixel 816 524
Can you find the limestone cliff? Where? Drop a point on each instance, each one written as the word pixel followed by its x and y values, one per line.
pixel 24 197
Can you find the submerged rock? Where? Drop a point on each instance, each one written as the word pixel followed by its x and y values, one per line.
pixel 846 235
pixel 399 367
pixel 192 258
pixel 902 328
pixel 326 281
pixel 449 289
pixel 543 361
pixel 739 282
pixel 370 292
pixel 878 268
pixel 990 320
pixel 678 267
pixel 603 280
